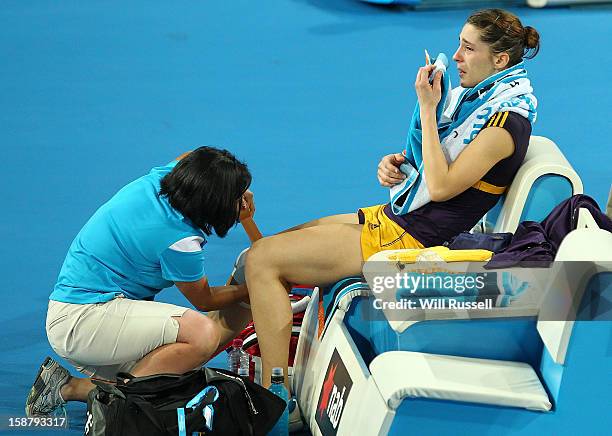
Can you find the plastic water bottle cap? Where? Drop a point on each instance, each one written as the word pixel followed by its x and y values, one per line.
pixel 243 372
pixel 277 372
pixel 237 343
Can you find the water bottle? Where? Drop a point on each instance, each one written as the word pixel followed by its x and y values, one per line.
pixel 237 358
pixel 281 428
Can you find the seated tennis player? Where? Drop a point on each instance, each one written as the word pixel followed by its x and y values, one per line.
pixel 461 159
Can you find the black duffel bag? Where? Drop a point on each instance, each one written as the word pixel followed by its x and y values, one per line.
pixel 210 401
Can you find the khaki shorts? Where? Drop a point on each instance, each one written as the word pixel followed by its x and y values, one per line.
pixel 381 233
pixel 106 338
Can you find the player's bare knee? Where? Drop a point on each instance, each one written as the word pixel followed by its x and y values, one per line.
pixel 258 260
pixel 257 252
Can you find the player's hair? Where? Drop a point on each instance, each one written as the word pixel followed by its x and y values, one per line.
pixel 502 31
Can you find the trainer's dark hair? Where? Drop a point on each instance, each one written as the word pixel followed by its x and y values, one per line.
pixel 206 186
pixel 502 31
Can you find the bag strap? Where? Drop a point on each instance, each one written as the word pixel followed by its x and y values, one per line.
pixel 180 416
pixel 208 414
pixel 206 397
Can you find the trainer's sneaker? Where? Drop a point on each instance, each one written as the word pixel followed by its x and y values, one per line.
pixel 44 397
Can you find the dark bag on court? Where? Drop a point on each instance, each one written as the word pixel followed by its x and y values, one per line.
pixel 210 401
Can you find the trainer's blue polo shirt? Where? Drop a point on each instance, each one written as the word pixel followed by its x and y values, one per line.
pixel 136 244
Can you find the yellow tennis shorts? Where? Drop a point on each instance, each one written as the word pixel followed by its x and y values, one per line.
pixel 381 233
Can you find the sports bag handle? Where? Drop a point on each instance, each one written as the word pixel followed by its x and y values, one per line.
pixel 204 399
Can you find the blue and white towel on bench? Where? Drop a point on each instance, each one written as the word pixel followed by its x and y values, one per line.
pixel 461 115
pixel 501 287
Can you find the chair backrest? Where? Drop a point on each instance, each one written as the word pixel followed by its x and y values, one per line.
pixel 544 180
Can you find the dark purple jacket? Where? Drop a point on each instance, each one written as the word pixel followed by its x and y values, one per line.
pixel 536 244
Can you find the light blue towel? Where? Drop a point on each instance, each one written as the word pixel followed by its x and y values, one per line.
pixel 414 149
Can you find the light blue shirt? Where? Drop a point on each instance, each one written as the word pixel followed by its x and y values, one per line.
pixel 136 244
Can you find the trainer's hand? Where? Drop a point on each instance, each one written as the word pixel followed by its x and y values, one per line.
pixel 247 205
pixel 388 170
